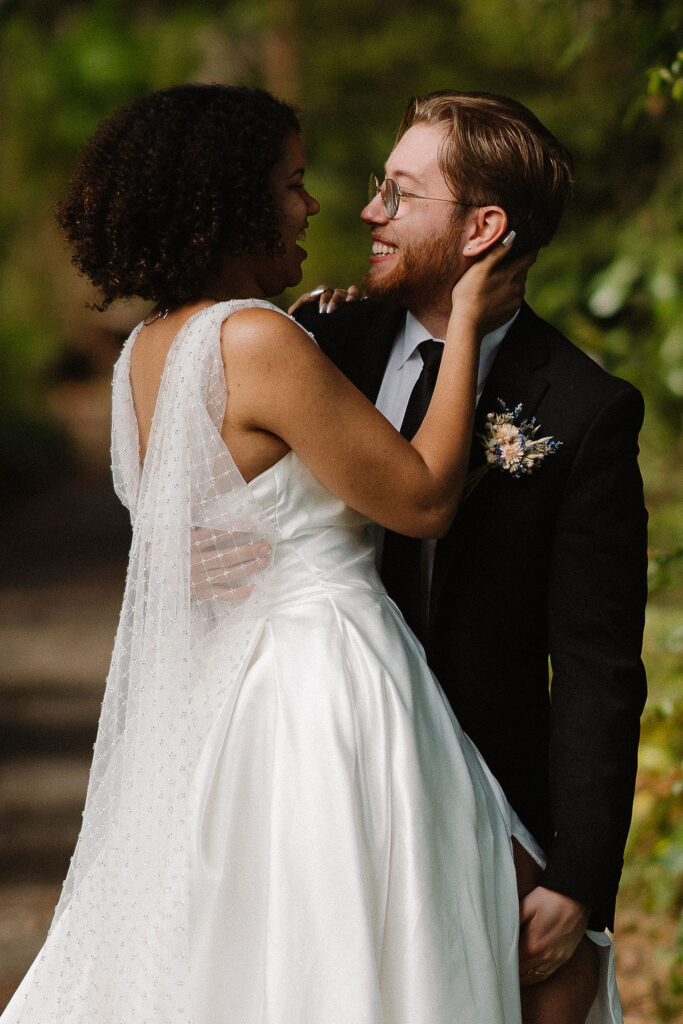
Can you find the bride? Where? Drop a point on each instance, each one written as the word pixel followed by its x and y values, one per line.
pixel 284 822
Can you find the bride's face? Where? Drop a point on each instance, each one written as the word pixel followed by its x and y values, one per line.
pixel 294 206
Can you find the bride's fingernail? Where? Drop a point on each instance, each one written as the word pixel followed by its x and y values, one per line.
pixel 509 239
pixel 322 306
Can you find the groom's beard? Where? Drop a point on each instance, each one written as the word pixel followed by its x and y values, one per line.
pixel 424 274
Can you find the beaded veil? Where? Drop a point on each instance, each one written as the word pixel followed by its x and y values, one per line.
pixel 132 864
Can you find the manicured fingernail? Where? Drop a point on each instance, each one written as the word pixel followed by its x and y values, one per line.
pixel 331 306
pixel 509 239
pixel 322 306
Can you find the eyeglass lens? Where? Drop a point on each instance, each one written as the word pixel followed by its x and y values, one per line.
pixel 389 192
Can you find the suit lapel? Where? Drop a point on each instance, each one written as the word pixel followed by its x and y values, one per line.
pixel 357 338
pixel 374 345
pixel 517 375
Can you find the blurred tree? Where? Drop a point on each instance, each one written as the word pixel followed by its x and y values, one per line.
pixel 62 68
pixel 602 74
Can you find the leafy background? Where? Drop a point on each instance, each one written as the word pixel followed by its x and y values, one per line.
pixel 604 75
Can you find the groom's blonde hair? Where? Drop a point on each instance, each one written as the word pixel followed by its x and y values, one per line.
pixel 496 152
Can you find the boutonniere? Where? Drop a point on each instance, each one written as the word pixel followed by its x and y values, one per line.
pixel 511 445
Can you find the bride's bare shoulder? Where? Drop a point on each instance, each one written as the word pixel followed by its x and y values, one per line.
pixel 257 328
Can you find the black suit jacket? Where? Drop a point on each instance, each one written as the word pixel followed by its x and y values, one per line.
pixel 547 568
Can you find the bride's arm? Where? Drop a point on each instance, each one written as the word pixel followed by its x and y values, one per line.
pixel 280 382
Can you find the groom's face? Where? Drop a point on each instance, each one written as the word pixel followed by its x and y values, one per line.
pixel 416 255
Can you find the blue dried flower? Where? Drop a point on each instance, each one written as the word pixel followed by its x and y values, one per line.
pixel 511 443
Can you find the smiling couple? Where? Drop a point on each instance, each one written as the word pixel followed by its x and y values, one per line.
pixel 286 823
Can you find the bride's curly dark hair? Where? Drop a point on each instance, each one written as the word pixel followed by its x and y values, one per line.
pixel 170 185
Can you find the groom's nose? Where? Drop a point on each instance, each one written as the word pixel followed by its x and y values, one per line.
pixel 375 212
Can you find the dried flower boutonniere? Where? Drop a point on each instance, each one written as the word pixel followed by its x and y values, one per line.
pixel 511 444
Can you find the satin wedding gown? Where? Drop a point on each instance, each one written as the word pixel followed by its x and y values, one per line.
pixel 285 823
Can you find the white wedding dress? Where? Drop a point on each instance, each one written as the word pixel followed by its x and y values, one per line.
pixel 285 824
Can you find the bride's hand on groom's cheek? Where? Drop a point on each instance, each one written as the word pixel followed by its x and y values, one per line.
pixel 328 299
pixel 551 927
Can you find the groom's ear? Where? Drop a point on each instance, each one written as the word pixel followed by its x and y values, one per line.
pixel 484 226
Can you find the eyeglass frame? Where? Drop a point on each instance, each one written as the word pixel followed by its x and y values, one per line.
pixel 375 188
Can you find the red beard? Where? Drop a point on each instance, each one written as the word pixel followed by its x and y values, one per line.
pixel 424 274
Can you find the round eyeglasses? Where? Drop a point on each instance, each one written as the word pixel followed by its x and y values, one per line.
pixel 391 193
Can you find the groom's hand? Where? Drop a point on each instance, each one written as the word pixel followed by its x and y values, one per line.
pixel 551 927
pixel 224 565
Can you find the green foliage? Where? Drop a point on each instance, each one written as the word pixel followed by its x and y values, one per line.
pixel 665 570
pixel 653 875
pixel 60 76
pixel 667 79
pixel 598 72
pixel 656 841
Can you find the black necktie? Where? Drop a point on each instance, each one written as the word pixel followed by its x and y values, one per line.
pixel 401 556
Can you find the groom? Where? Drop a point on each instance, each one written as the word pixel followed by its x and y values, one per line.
pixel 541 575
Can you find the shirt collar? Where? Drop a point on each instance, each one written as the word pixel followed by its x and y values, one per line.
pixel 414 333
pixel 490 345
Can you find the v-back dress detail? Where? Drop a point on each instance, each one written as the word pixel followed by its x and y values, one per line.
pixel 285 823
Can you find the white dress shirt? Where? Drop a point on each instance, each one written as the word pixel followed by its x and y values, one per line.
pixel 405 365
pixel 403 368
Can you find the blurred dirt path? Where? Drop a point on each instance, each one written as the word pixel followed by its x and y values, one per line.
pixel 62 568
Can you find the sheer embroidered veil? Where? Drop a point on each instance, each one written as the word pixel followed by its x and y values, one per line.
pixel 132 861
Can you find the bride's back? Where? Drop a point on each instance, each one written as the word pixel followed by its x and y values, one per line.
pixel 253 451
